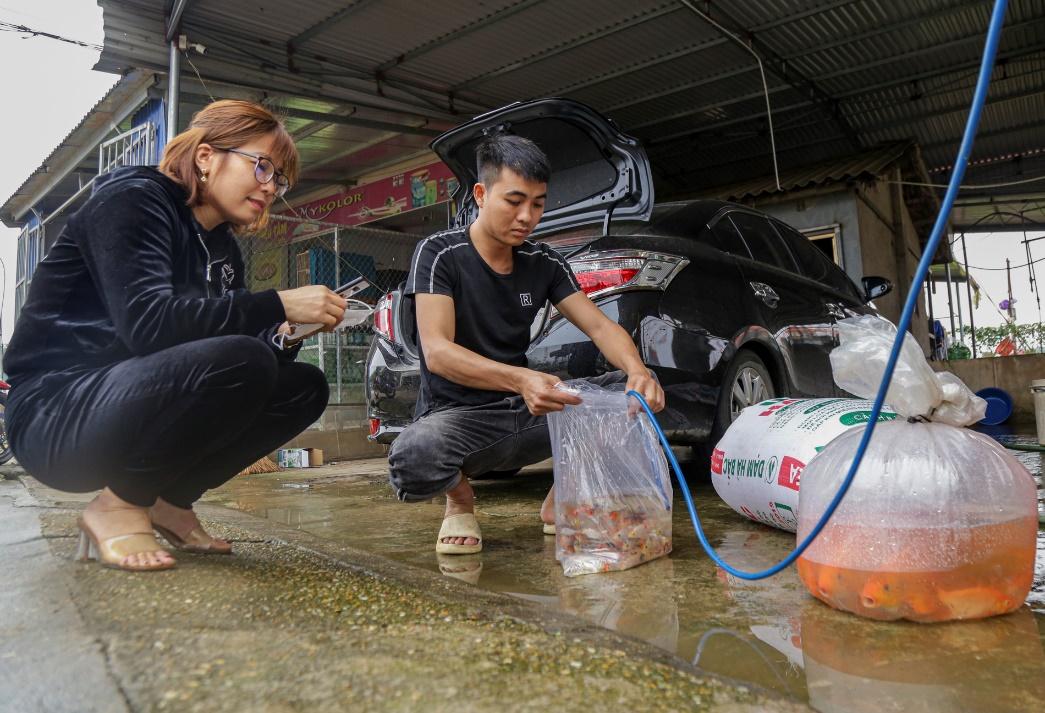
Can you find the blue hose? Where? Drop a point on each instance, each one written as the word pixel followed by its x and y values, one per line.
pixel 960 163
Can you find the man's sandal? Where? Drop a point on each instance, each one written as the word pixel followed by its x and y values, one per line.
pixel 462 525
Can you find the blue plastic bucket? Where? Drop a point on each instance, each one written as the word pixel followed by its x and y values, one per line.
pixel 999 405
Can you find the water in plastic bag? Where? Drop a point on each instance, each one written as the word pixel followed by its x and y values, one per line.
pixel 940 524
pixel 612 491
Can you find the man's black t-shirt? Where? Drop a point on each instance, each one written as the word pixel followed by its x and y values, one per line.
pixel 493 312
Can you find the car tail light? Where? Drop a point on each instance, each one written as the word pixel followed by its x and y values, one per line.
pixel 375 426
pixel 383 317
pixel 606 274
pixel 611 271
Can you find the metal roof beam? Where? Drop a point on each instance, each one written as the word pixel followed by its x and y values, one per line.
pixel 886 29
pixel 694 49
pixel 727 122
pixel 779 67
pixel 1002 57
pixel 361 122
pixel 819 48
pixel 174 19
pixel 718 104
pixel 567 46
pixel 988 134
pixel 943 71
pixel 950 44
pixel 436 43
pixel 963 106
pixel 956 107
pixel 684 87
pixel 750 158
pixel 356 147
pixel 327 24
pixel 257 74
pixel 334 118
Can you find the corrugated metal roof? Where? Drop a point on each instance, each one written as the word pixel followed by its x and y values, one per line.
pixel 880 70
pixel 865 165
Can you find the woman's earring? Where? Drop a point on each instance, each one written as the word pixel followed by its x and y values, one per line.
pixel 203 176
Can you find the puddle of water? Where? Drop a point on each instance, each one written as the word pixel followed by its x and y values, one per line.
pixel 769 633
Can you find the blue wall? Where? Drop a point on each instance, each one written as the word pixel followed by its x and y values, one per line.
pixel 155 111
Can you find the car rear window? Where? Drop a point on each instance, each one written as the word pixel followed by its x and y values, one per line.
pixel 763 241
pixel 722 234
pixel 811 262
pixel 814 264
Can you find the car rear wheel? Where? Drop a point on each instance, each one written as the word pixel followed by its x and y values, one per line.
pixel 747 383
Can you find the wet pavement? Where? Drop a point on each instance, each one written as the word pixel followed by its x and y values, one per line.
pixel 292 623
pixel 770 634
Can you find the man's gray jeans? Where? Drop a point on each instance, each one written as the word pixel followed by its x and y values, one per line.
pixel 430 455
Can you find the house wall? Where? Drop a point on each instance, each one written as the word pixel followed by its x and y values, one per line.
pixel 882 256
pixel 815 211
pixel 1013 374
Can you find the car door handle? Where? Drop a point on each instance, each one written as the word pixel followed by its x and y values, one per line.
pixel 835 310
pixel 765 293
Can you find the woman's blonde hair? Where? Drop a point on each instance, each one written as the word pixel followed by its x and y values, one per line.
pixel 227 124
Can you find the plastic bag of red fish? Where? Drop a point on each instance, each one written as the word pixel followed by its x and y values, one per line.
pixel 940 522
pixel 613 497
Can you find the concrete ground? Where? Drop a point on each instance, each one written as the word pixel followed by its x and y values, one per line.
pixel 336 600
pixel 296 622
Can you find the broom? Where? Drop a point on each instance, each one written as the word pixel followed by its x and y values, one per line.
pixel 264 465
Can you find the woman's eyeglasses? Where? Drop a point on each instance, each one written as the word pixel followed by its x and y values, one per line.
pixel 265 171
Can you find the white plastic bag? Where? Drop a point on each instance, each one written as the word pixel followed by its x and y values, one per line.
pixel 916 390
pixel 612 491
pixel 940 522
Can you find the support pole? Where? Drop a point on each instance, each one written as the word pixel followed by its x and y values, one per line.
pixel 177 10
pixel 950 296
pixel 968 293
pixel 338 335
pixel 173 88
pixel 932 319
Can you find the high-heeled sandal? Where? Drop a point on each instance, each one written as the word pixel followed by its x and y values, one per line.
pixel 111 551
pixel 197 541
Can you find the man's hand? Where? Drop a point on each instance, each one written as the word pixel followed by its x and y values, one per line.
pixel 541 396
pixel 313 304
pixel 643 382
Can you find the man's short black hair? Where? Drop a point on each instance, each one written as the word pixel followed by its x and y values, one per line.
pixel 512 152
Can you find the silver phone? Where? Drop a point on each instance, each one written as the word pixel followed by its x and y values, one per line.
pixel 302 331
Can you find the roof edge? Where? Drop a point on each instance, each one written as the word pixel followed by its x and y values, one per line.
pixel 120 101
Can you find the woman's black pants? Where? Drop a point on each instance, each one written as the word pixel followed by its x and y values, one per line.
pixel 172 424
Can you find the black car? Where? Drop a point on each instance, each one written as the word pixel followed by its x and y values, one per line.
pixel 726 304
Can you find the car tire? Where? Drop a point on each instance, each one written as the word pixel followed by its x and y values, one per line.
pixel 747 382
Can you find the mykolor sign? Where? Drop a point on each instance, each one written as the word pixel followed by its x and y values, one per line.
pixel 422 187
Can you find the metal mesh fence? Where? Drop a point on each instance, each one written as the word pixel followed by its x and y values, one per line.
pixel 292 252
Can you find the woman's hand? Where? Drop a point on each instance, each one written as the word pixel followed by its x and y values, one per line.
pixel 313 304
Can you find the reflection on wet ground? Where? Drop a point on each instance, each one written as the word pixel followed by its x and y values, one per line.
pixel 768 633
